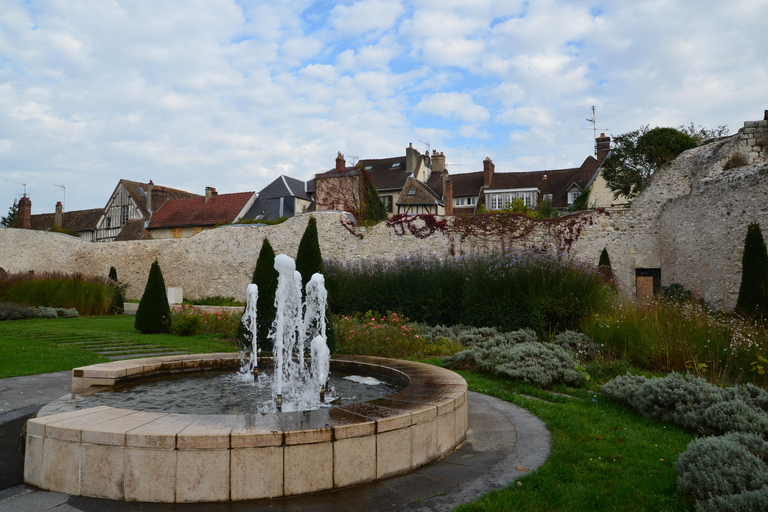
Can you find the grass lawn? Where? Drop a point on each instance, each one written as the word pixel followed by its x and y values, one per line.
pixel 604 457
pixel 42 345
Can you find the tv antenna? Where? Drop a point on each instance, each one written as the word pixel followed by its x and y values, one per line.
pixel 354 159
pixel 593 122
pixel 426 144
pixel 63 199
pixel 25 187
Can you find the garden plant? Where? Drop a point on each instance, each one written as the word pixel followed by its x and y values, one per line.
pixel 154 314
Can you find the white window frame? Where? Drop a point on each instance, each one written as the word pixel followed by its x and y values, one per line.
pixel 458 201
pixel 500 199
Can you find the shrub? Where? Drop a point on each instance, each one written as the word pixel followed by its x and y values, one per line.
pixel 753 292
pixel 45 312
pixel 189 320
pixel 186 325
pixel 517 355
pixel 67 313
pixel 118 302
pixel 154 314
pixel 90 295
pixel 214 300
pixel 714 469
pixel 693 403
pixel 579 345
pixel 605 260
pixel 265 277
pixel 676 292
pixel 13 311
pixel 390 335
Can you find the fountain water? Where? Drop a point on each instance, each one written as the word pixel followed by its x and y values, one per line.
pixel 296 329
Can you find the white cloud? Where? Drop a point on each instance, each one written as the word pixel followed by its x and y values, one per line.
pixel 365 16
pixel 453 104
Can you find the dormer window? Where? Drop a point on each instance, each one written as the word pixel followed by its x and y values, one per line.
pixel 411 191
pixel 368 167
pixel 396 165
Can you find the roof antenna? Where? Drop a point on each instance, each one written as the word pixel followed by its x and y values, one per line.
pixel 593 122
pixel 427 144
pixel 64 199
pixel 25 188
pixel 354 159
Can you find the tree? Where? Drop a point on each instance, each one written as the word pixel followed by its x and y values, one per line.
pixel 636 155
pixel 582 201
pixel 265 277
pixel 9 220
pixel 753 292
pixel 154 313
pixel 309 261
pixel 118 302
pixel 605 261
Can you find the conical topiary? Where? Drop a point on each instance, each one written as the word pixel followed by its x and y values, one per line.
pixel 605 261
pixel 265 277
pixel 118 301
pixel 753 292
pixel 309 261
pixel 154 313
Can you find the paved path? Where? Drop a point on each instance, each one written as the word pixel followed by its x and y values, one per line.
pixel 501 438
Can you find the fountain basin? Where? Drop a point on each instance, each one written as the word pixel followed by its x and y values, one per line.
pixel 122 454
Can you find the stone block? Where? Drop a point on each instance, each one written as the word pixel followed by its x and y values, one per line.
pixel 207 432
pixel 160 433
pixel 61 466
pixel 202 475
pixel 256 473
pixel 354 461
pixel 424 443
pixel 33 460
pixel 308 468
pixel 446 432
pixel 150 475
pixel 175 295
pixel 461 422
pixel 113 432
pixel 393 452
pixel 101 474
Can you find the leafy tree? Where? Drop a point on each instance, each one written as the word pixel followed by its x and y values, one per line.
pixel 545 210
pixel 582 201
pixel 701 134
pixel 154 313
pixel 753 292
pixel 309 261
pixel 118 302
pixel 636 155
pixel 265 277
pixel 9 220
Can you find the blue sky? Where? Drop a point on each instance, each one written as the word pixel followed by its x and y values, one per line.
pixel 232 94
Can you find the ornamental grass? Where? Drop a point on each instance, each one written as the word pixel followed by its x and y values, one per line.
pixel 89 295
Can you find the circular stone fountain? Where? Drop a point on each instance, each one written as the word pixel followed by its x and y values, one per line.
pixel 125 454
pixel 132 455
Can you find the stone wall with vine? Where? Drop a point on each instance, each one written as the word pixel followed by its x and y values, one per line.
pixel 690 222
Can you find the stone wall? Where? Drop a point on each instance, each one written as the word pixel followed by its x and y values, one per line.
pixel 754 138
pixel 690 222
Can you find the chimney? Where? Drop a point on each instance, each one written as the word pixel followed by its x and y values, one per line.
pixel 602 147
pixel 150 186
pixel 448 193
pixel 58 217
pixel 159 197
pixel 438 162
pixel 765 115
pixel 488 169
pixel 209 192
pixel 341 164
pixel 411 158
pixel 24 220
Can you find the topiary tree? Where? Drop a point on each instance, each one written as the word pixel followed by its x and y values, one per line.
pixel 753 292
pixel 605 261
pixel 154 313
pixel 309 260
pixel 118 302
pixel 265 277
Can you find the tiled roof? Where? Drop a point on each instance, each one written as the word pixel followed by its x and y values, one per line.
pixel 78 220
pixel 422 194
pixel 386 173
pixel 133 230
pixel 467 184
pixel 196 212
pixel 555 181
pixel 138 192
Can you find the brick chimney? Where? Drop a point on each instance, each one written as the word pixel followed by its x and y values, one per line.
pixel 411 158
pixel 602 147
pixel 24 220
pixel 765 115
pixel 488 169
pixel 209 192
pixel 159 197
pixel 448 193
pixel 341 164
pixel 58 217
pixel 438 161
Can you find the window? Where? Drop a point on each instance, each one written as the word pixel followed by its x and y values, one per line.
pixel 505 199
pixel 572 195
pixel 108 222
pixel 387 202
pixel 124 215
pixel 411 191
pixel 176 232
pixel 471 201
pixel 459 201
pixel 548 197
pixel 196 230
pixel 396 164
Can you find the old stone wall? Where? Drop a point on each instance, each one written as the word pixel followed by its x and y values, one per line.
pixel 690 222
pixel 754 139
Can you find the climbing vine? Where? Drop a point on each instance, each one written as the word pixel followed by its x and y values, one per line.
pixel 420 226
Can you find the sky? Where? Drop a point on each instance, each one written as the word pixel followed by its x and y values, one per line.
pixel 232 94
